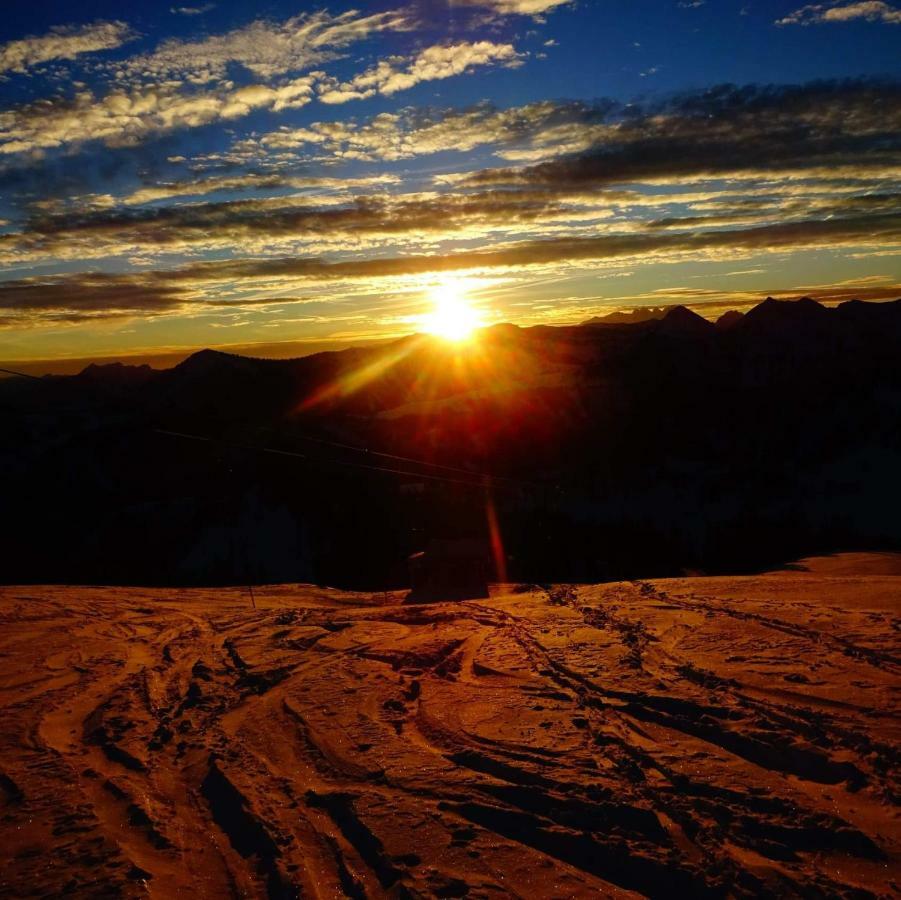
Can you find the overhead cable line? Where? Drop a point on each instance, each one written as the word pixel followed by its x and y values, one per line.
pixel 409 459
pixel 312 459
pixel 21 374
pixel 483 476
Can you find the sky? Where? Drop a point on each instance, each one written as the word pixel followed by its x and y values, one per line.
pixel 280 177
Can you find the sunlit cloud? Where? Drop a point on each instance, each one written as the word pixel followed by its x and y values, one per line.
pixel 129 115
pixel 266 49
pixel 157 290
pixel 431 64
pixel 573 201
pixel 728 130
pixel 126 117
pixel 286 173
pixel 518 7
pixel 159 92
pixel 251 182
pixel 866 10
pixel 534 130
pixel 63 42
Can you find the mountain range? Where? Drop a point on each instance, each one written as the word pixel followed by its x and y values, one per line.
pixel 659 444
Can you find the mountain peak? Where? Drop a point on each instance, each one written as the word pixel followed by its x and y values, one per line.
pixel 208 353
pixel 117 372
pixel 629 316
pixel 800 306
pixel 205 358
pixel 681 320
pixel 729 319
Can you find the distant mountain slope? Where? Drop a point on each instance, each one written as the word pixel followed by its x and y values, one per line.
pixel 656 446
pixel 630 316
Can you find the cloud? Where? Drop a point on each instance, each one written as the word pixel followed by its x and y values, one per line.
pixel 516 7
pixel 814 233
pixel 249 182
pixel 723 129
pixel 739 156
pixel 265 49
pixel 727 172
pixel 269 223
pixel 535 130
pixel 819 13
pixel 410 221
pixel 192 10
pixel 94 294
pixel 731 130
pixel 125 117
pixel 431 64
pixel 63 42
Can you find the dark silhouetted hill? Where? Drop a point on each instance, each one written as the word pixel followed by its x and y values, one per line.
pixel 629 317
pixel 729 319
pixel 635 449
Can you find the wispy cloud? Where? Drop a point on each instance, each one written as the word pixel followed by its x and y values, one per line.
pixel 760 127
pixel 133 111
pixel 431 64
pixel 95 294
pixel 182 84
pixel 265 49
pixel 516 7
pixel 141 182
pixel 63 42
pixel 867 10
pixel 250 182
pixel 192 10
pixel 738 156
pixel 728 130
pixel 125 117
pixel 532 131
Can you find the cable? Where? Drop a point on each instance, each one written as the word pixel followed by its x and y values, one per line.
pixel 21 374
pixel 290 453
pixel 410 459
pixel 341 446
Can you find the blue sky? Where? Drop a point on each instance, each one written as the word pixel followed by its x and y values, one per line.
pixel 280 176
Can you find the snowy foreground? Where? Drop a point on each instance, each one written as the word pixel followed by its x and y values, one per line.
pixel 697 736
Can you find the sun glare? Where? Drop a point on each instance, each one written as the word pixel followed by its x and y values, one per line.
pixel 452 317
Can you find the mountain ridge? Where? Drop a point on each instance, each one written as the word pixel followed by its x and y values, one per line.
pixel 626 451
pixel 770 310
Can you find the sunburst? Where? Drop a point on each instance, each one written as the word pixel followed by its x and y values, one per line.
pixel 452 316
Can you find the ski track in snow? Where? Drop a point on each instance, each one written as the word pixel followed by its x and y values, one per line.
pixel 699 736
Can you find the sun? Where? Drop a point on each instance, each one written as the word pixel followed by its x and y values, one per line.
pixel 452 317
